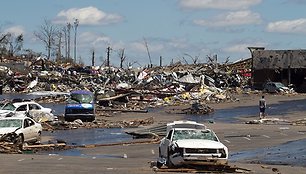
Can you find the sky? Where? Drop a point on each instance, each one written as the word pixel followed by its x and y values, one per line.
pixel 176 30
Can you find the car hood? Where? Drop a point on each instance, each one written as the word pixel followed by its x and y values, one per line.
pixel 196 143
pixel 7 130
pixel 285 88
pixel 5 111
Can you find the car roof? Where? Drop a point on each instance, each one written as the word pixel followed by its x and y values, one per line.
pixel 185 125
pixel 13 118
pixel 81 92
pixel 192 129
pixel 16 104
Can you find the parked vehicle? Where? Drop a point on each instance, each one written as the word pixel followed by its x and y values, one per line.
pixel 80 105
pixel 26 128
pixel 21 108
pixel 276 87
pixel 191 143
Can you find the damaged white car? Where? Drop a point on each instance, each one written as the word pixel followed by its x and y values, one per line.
pixel 191 143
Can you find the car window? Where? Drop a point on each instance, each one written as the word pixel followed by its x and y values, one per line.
pixel 34 107
pixel 10 123
pixel 22 108
pixel 28 123
pixel 169 134
pixel 9 106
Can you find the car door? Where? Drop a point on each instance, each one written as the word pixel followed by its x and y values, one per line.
pixel 28 131
pixel 34 107
pixel 164 145
pixel 22 109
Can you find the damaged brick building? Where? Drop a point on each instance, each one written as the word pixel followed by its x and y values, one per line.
pixel 286 66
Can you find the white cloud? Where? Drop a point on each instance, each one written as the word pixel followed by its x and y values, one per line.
pixel 288 26
pixel 230 19
pixel 15 30
pixel 141 47
pixel 86 16
pixel 243 47
pixel 93 40
pixel 219 4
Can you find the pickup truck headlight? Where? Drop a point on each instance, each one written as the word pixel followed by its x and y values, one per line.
pixel 223 153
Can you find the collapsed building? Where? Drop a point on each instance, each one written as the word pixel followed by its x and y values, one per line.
pixel 286 66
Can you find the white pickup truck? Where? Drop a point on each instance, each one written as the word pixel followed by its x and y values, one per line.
pixel 191 143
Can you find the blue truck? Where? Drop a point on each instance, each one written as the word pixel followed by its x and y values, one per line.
pixel 80 105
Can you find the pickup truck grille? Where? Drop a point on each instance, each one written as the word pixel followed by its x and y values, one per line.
pixel 201 151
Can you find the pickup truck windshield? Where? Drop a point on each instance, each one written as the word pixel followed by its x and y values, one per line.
pixel 194 134
pixel 81 98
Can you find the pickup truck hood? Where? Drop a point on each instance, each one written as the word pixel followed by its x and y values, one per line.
pixel 198 143
pixel 7 130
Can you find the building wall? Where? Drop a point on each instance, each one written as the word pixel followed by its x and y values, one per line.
pixel 286 66
pixel 279 59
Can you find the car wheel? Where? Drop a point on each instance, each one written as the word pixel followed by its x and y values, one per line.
pixel 168 162
pixel 38 139
pixel 159 164
pixel 20 142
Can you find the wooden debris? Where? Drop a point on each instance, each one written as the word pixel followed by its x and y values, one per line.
pixel 204 169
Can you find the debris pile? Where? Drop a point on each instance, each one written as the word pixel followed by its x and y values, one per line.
pixel 10 143
pixel 100 123
pixel 198 108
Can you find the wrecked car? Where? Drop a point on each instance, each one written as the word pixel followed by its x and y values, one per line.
pixel 80 105
pixel 25 128
pixel 191 143
pixel 21 108
pixel 276 87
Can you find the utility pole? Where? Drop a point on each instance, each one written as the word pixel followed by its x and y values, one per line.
pixel 93 58
pixel 107 60
pixel 146 44
pixel 68 38
pixel 76 24
pixel 122 58
pixel 160 61
pixel 59 56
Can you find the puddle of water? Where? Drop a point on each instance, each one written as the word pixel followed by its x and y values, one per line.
pixel 231 115
pixel 78 152
pixel 291 153
pixel 85 136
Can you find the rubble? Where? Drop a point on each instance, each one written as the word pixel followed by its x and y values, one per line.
pixel 198 108
pixel 124 90
pixel 101 123
pixel 10 143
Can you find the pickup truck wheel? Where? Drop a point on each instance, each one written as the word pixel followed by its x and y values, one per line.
pixel 159 164
pixel 169 163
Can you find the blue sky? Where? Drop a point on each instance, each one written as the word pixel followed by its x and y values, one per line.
pixel 172 29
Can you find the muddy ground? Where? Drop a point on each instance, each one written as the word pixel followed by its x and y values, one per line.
pixel 136 158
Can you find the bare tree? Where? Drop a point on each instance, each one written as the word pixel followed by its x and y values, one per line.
pixel 47 34
pixel 15 44
pixel 122 57
pixel 59 36
pixel 3 37
pixel 147 47
pixel 11 44
pixel 195 59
